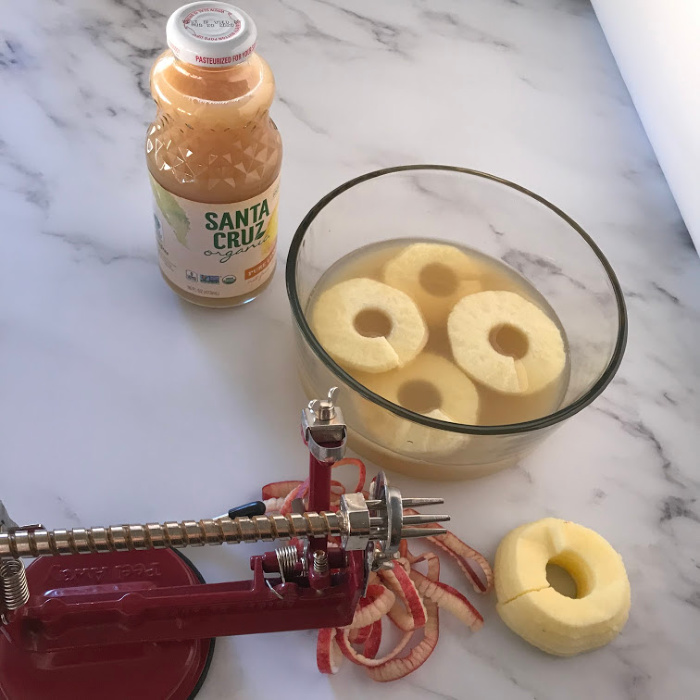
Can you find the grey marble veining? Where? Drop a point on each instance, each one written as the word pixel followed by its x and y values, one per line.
pixel 118 402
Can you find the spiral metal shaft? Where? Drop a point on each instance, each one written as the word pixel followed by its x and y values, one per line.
pixel 187 533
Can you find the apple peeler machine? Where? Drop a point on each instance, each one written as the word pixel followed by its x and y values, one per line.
pixel 116 612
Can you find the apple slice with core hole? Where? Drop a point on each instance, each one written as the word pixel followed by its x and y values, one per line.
pixel 430 385
pixel 368 326
pixel 505 342
pixel 435 275
pixel 553 621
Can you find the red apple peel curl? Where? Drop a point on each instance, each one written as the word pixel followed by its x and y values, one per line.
pixel 409 599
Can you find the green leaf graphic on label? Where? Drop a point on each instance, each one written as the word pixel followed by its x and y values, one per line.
pixel 172 212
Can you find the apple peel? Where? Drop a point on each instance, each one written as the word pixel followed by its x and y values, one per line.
pixel 398 668
pixel 408 612
pixel 374 606
pixel 341 636
pixel 279 489
pixel 444 596
pixel 328 654
pixel 408 598
pixel 461 552
pixel 278 496
pixel 374 640
pixel 361 635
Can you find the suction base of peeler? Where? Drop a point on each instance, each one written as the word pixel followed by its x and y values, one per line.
pixel 172 670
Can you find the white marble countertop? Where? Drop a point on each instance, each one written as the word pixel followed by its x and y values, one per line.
pixel 120 403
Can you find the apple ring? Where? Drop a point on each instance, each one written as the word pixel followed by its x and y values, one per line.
pixel 435 275
pixel 542 616
pixel 335 318
pixel 444 391
pixel 506 343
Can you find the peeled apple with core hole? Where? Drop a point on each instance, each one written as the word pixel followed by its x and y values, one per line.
pixel 458 402
pixel 547 619
pixel 418 269
pixel 333 321
pixel 471 327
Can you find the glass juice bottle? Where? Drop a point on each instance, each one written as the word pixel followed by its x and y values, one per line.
pixel 214 157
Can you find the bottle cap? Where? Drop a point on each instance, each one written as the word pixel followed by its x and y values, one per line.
pixel 213 34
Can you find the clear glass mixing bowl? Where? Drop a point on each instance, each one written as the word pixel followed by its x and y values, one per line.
pixel 498 218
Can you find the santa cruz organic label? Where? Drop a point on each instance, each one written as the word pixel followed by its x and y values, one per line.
pixel 216 250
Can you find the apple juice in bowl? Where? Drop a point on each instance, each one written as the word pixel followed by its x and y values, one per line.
pixel 427 386
pixel 214 157
pixel 462 317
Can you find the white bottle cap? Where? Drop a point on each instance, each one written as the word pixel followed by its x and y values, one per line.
pixel 211 34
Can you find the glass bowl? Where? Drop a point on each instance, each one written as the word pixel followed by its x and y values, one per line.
pixel 497 218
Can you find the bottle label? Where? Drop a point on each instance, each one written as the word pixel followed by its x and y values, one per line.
pixel 216 250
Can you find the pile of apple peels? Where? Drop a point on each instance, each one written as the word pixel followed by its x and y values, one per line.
pixel 408 598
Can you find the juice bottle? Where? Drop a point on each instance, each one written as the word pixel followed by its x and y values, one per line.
pixel 214 157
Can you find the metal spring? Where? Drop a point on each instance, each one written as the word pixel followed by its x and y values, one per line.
pixel 287 558
pixel 320 561
pixel 15 592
